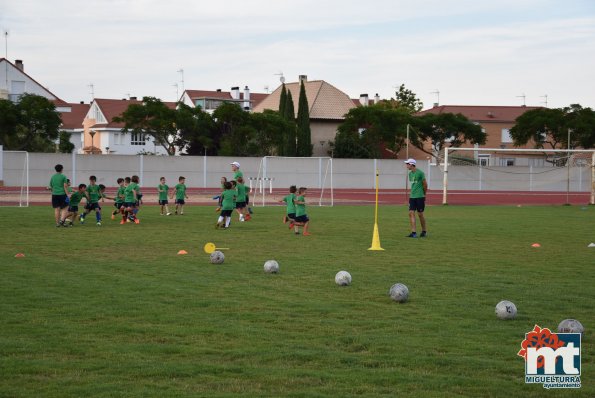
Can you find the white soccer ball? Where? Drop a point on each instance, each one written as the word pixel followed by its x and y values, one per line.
pixel 506 310
pixel 399 292
pixel 271 267
pixel 217 257
pixel 343 278
pixel 570 326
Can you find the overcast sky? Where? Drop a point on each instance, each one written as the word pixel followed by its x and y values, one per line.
pixel 472 52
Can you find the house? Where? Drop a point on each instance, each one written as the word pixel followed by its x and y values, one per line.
pixel 102 135
pixel 72 121
pixel 14 82
pixel 328 107
pixel 496 122
pixel 210 100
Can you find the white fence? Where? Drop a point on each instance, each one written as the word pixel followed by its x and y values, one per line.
pixel 206 172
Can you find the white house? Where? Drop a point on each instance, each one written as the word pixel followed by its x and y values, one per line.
pixel 210 100
pixel 102 135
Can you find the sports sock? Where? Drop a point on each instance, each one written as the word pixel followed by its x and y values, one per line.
pixel 227 221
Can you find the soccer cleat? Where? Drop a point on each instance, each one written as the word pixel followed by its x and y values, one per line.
pixel 306 234
pixel 136 221
pixel 291 225
pixel 412 235
pixel 122 222
pixel 168 214
pixel 248 217
pixel 423 234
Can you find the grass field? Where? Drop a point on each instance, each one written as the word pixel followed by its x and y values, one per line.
pixel 113 311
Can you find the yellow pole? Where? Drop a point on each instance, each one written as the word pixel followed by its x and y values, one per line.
pixel 376 236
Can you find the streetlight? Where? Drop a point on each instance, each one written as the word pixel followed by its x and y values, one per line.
pixel 107 150
pixel 92 134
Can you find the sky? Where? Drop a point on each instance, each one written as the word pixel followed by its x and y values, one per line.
pixel 455 52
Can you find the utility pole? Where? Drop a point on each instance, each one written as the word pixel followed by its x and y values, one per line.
pixel 545 99
pixel 523 96
pixel 181 72
pixel 437 92
pixel 92 87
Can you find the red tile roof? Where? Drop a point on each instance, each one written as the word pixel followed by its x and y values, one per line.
pixel 74 119
pixel 480 113
pixel 115 107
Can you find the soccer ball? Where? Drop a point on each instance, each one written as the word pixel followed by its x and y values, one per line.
pixel 399 292
pixel 506 310
pixel 343 278
pixel 217 257
pixel 570 326
pixel 271 267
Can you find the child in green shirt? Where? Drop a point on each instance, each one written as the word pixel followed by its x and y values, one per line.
pixel 94 194
pixel 163 191
pixel 180 193
pixel 301 219
pixel 228 197
pixel 58 185
pixel 289 201
pixel 73 207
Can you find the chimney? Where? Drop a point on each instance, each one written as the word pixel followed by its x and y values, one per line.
pixel 246 98
pixel 303 78
pixel 436 105
pixel 82 102
pixel 376 98
pixel 133 98
pixel 363 99
pixel 218 90
pixel 19 64
pixel 235 93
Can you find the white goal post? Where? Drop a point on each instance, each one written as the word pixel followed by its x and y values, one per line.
pixel 280 172
pixel 14 175
pixel 554 170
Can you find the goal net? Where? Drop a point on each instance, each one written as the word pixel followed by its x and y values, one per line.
pixel 558 173
pixel 277 173
pixel 14 178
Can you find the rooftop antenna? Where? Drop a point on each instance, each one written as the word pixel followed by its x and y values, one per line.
pixel 177 91
pixel 437 92
pixel 545 99
pixel 181 72
pixel 523 96
pixel 92 87
pixel 128 95
pixel 266 89
pixel 281 77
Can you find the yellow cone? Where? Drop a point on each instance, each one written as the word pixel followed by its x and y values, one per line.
pixel 376 239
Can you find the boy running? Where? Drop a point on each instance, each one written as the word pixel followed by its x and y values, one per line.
pixel 119 198
pixel 130 200
pixel 228 197
pixel 163 190
pixel 73 208
pixel 59 186
pixel 242 192
pixel 180 193
pixel 289 201
pixel 94 195
pixel 301 219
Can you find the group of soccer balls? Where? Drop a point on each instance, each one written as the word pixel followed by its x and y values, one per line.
pixel 400 293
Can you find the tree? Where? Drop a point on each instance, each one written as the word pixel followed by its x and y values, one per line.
pixel 196 131
pixel 283 99
pixel 32 124
pixel 269 129
pixel 304 135
pixel 65 145
pixel 443 129
pixel 407 99
pixel 233 130
pixel 290 136
pixel 550 127
pixel 153 118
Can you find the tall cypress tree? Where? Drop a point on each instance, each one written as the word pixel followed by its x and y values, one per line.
pixel 290 138
pixel 283 100
pixel 304 135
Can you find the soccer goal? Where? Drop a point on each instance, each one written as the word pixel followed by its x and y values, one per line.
pixel 14 175
pixel 549 171
pixel 277 173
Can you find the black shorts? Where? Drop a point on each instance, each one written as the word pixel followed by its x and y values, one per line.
pixel 417 204
pixel 73 209
pixel 117 205
pixel 59 201
pixel 163 202
pixel 129 204
pixel 303 218
pixel 180 202
pixel 291 216
pixel 240 205
pixel 93 206
pixel 226 213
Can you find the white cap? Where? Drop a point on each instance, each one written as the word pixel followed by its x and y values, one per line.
pixel 411 162
pixel 237 164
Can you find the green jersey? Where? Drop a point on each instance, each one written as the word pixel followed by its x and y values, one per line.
pixel 76 198
pixel 129 192
pixel 180 191
pixel 241 189
pixel 289 201
pixel 300 209
pixel 94 194
pixel 228 198
pixel 57 183
pixel 237 174
pixel 120 194
pixel 163 189
pixel 416 178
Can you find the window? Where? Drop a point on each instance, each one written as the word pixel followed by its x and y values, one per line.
pixel 508 162
pixel 483 160
pixel 506 138
pixel 137 139
pixel 200 102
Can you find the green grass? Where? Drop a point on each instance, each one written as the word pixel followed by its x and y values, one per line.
pixel 113 311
